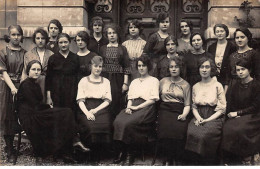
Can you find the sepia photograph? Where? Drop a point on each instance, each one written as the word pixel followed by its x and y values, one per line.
pixel 129 83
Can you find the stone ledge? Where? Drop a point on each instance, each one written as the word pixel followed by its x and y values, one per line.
pixel 51 3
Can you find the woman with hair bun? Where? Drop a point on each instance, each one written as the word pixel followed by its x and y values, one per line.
pixel 11 66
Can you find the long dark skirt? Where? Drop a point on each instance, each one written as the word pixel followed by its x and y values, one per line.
pixel 204 140
pixel 137 127
pixel 48 130
pixel 168 125
pixel 98 131
pixel 241 136
pixel 8 118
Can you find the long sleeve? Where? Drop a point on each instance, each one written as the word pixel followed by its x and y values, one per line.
pixel 150 44
pixel 124 59
pixel 49 74
pixel 221 104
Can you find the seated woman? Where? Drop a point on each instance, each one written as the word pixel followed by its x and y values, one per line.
pixel 241 131
pixel 174 108
pixel 135 123
pixel 209 105
pixel 48 129
pixel 94 97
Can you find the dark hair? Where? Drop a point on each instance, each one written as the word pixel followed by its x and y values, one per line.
pixel 221 26
pixel 246 32
pixel 96 60
pixel 44 34
pixel 146 61
pixel 137 24
pixel 244 63
pixel 61 35
pixel 30 65
pixel 189 23
pixel 169 38
pixel 197 33
pixel 19 29
pixel 57 23
pixel 161 17
pixel 98 20
pixel 212 64
pixel 112 26
pixel 83 35
pixel 178 62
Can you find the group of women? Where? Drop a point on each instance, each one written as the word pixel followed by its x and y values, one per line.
pixel 111 91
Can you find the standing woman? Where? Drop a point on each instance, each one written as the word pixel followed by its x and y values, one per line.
pixel 209 105
pixel 243 140
pixel 61 77
pixel 116 67
pixel 221 51
pixel 134 45
pixel 174 108
pixel 85 55
pixel 135 123
pixel 94 97
pixel 184 46
pixel 11 66
pixel 192 58
pixel 54 29
pixel 40 53
pixel 155 43
pixel 97 39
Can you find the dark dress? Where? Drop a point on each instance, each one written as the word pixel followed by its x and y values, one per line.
pixel 48 129
pixel 84 65
pixel 94 45
pixel 11 61
pixel 61 79
pixel 223 74
pixel 243 139
pixel 53 46
pixel 191 61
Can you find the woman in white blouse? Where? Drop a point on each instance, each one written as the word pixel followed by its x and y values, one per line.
pixel 94 97
pixel 209 105
pixel 135 123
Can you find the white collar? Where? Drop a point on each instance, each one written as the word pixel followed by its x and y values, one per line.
pixel 112 45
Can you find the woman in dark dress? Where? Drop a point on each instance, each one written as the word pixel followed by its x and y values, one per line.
pixel 221 51
pixel 192 58
pixel 184 45
pixel 97 39
pixel 61 77
pixel 134 125
pixel 85 56
pixel 94 118
pixel 48 129
pixel 241 131
pixel 54 29
pixel 174 108
pixel 11 66
pixel 209 105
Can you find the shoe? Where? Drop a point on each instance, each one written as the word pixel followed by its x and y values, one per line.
pixel 121 156
pixel 129 161
pixel 68 159
pixel 79 146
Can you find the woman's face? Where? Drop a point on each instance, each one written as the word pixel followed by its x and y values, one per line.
pixel 111 35
pixel 53 30
pixel 64 44
pixel 241 39
pixel 35 71
pixel 80 43
pixel 15 37
pixel 174 69
pixel 197 42
pixel 205 69
pixel 171 47
pixel 142 69
pixel 242 72
pixel 164 25
pixel 133 30
pixel 220 33
pixel 40 40
pixel 97 27
pixel 185 29
pixel 96 69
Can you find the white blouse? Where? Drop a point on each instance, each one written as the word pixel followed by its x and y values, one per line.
pixel 134 47
pixel 211 94
pixel 147 89
pixel 97 90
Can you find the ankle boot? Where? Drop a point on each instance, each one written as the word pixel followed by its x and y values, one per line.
pixel 119 157
pixel 9 149
pixel 130 158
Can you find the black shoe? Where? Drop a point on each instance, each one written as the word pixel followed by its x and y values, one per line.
pixel 11 158
pixel 119 158
pixel 129 161
pixel 79 146
pixel 68 159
